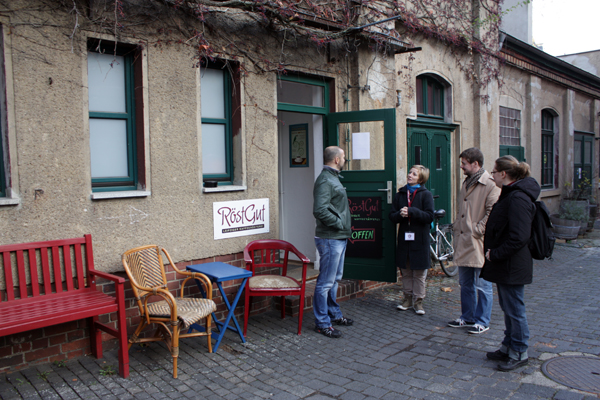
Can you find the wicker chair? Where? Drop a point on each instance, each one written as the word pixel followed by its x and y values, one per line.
pixel 173 316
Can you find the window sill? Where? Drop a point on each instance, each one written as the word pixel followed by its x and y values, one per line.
pixel 550 192
pixel 225 188
pixel 120 194
pixel 9 201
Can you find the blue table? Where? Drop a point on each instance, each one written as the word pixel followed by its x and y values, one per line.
pixel 219 272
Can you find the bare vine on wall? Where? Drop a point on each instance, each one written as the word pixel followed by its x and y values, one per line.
pixel 245 29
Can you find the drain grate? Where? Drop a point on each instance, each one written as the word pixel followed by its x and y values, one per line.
pixel 577 372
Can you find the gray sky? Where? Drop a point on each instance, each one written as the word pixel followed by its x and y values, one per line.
pixel 566 26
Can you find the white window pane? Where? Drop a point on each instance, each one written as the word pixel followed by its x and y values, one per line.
pixel 211 93
pixel 299 93
pixel 106 82
pixel 213 149
pixel 108 148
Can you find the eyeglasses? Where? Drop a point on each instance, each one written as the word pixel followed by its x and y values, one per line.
pixel 495 172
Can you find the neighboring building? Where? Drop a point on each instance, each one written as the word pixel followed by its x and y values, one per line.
pixel 588 61
pixel 556 108
pixel 123 139
pixel 517 20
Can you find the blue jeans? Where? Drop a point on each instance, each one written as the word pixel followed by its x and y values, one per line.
pixel 476 296
pixel 512 302
pixel 331 269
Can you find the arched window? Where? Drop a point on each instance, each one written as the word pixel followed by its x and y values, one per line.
pixel 547 149
pixel 430 97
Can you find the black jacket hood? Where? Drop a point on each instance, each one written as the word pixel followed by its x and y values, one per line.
pixel 528 185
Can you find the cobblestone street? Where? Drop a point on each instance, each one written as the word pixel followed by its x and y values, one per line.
pixel 387 354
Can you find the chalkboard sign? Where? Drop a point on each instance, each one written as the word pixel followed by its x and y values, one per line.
pixel 367 228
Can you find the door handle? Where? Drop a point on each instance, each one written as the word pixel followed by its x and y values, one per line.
pixel 579 171
pixel 389 192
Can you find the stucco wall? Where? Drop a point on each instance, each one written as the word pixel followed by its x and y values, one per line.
pixel 475 119
pixel 588 61
pixel 51 176
pixel 574 111
pixel 51 173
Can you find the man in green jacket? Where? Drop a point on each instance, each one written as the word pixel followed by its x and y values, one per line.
pixel 332 213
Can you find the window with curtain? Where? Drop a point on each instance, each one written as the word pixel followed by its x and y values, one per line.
pixel 112 117
pixel 430 97
pixel 216 98
pixel 547 149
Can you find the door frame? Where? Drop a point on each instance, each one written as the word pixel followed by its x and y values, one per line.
pixel 582 166
pixel 438 127
pixel 371 185
pixel 283 212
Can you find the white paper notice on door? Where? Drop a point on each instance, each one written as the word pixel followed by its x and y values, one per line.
pixel 361 146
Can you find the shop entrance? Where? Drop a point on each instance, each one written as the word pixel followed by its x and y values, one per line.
pixel 368 139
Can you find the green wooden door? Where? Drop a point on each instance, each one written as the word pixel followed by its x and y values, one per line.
pixel 369 141
pixel 429 145
pixel 583 151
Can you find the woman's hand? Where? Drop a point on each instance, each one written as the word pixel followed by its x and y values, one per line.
pixel 404 212
pixel 487 255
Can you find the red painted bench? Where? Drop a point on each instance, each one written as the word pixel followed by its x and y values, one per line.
pixel 32 299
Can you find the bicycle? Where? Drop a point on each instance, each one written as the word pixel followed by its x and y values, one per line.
pixel 441 244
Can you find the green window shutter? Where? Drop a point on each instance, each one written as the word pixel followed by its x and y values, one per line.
pixel 517 152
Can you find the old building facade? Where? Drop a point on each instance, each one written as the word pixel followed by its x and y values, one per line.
pixel 118 136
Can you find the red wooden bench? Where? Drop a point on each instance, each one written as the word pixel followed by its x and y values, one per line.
pixel 53 282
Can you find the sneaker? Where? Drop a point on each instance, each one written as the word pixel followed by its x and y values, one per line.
pixel 343 321
pixel 406 303
pixel 497 355
pixel 477 329
pixel 460 323
pixel 329 332
pixel 418 306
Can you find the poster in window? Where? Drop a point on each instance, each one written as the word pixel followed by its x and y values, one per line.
pixel 299 145
pixel 367 227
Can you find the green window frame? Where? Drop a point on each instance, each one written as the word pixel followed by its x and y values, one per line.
pixel 430 97
pixel 128 181
pixel 225 123
pixel 510 126
pixel 321 109
pixel 4 168
pixel 547 150
pixel 2 171
pixel 510 133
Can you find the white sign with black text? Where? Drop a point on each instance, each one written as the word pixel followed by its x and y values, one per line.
pixel 240 218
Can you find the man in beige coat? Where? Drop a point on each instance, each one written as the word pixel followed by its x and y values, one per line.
pixel 475 200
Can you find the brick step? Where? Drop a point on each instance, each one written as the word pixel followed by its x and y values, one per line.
pixel 347 289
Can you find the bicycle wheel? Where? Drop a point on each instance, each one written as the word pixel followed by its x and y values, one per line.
pixel 446 250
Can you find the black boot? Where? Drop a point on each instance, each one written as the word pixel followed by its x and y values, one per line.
pixel 511 363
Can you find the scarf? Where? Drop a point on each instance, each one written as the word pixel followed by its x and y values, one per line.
pixel 412 188
pixel 472 180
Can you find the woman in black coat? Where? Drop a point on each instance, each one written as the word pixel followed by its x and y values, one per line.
pixel 508 259
pixel 412 209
